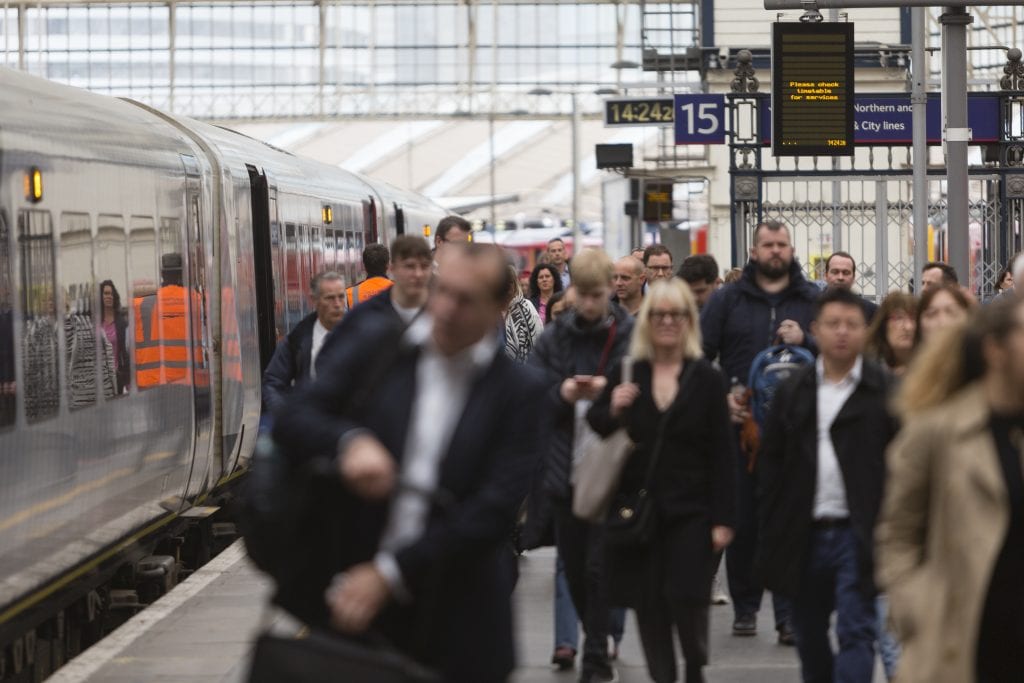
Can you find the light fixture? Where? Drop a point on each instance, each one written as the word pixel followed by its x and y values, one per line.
pixel 625 64
pixel 606 91
pixel 541 91
pixel 34 185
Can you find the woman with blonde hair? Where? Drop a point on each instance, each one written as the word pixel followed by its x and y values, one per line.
pixel 675 411
pixel 950 538
pixel 893 332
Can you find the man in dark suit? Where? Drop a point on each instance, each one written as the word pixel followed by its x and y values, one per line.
pixel 294 358
pixel 841 271
pixel 435 461
pixel 821 472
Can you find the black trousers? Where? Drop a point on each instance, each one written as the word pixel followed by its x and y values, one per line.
pixel 675 598
pixel 581 547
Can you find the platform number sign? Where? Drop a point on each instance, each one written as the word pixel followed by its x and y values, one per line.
pixel 700 119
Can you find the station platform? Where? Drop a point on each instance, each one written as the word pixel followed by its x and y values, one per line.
pixel 202 632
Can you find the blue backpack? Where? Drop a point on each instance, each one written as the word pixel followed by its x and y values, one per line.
pixel 768 370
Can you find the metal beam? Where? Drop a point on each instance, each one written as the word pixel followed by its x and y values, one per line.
pixel 919 100
pixel 895 4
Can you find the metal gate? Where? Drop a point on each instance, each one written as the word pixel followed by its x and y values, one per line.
pixel 863 204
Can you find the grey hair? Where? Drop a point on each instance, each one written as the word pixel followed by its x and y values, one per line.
pixel 329 275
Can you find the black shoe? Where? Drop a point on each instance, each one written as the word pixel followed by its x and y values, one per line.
pixel 786 635
pixel 564 658
pixel 745 625
pixel 602 675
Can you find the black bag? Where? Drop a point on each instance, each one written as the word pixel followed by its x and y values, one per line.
pixel 632 519
pixel 323 658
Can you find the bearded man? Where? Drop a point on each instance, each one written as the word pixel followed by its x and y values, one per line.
pixel 772 302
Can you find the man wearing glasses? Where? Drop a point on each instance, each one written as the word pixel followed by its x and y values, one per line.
pixel 658 261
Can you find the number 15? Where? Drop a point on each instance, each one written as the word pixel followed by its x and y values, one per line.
pixel 705 112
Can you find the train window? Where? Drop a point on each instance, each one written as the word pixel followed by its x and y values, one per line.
pixel 318 251
pixel 79 323
pixel 8 386
pixel 170 236
pixel 293 276
pixel 142 255
pixel 112 313
pixel 39 358
pixel 357 258
pixel 306 261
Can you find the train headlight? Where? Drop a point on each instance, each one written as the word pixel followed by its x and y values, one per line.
pixel 34 185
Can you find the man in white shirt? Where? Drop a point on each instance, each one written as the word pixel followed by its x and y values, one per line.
pixel 821 471
pixel 294 359
pixel 435 459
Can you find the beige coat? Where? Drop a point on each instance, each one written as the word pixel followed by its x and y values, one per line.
pixel 941 529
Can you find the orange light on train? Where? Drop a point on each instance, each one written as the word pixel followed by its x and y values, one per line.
pixel 34 185
pixel 426 231
pixel 328 215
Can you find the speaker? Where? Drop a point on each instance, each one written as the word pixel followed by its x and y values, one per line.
pixel 614 156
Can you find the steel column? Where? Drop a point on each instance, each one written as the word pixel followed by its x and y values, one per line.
pixel 919 102
pixel 956 136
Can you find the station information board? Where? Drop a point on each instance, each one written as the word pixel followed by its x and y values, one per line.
pixel 812 89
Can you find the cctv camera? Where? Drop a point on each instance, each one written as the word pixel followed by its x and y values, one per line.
pixel 723 56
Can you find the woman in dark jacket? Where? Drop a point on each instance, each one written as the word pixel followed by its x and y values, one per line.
pixel 681 397
pixel 545 282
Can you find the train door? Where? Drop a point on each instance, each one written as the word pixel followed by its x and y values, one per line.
pixel 264 264
pixel 399 220
pixel 196 259
pixel 370 232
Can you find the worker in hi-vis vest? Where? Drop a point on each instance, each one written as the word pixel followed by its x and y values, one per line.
pixel 375 261
pixel 161 330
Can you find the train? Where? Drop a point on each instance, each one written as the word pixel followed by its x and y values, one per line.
pixel 106 480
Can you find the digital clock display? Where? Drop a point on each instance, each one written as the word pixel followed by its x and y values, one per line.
pixel 639 112
pixel 812 89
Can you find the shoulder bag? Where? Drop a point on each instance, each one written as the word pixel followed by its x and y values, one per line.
pixel 598 464
pixel 632 521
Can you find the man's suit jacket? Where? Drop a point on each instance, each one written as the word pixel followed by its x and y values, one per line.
pixel 787 470
pixel 375 316
pixel 289 364
pixel 461 571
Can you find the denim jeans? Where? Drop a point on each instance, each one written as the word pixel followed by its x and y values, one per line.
pixel 832 582
pixel 567 629
pixel 888 646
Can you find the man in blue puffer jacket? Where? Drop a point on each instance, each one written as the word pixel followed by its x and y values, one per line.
pixel 771 303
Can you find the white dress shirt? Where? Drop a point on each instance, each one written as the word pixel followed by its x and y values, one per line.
pixel 443 384
pixel 406 314
pixel 830 492
pixel 319 334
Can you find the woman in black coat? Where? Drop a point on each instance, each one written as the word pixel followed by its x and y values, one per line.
pixel 681 397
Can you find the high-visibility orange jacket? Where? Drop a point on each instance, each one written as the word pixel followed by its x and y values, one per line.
pixel 231 349
pixel 161 338
pixel 367 289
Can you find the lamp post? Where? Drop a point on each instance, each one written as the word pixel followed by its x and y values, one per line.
pixel 577 242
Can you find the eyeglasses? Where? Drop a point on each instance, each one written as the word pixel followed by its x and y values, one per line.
pixel 672 316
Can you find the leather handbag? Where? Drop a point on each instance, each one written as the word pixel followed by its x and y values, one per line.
pixel 596 475
pixel 320 657
pixel 632 520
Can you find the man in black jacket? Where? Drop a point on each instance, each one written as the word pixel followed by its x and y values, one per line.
pixel 574 352
pixel 821 472
pixel 435 460
pixel 841 271
pixel 293 360
pixel 771 302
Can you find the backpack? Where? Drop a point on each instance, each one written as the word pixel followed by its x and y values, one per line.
pixel 767 371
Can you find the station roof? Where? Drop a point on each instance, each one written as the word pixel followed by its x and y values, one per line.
pixel 450 160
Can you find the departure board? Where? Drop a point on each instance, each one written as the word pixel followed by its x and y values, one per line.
pixel 812 89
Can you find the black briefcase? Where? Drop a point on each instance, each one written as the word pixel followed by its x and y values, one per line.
pixel 324 658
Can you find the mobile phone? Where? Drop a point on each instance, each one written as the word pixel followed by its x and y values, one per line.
pixel 584 379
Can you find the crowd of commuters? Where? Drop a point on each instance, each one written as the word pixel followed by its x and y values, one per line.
pixel 876 490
